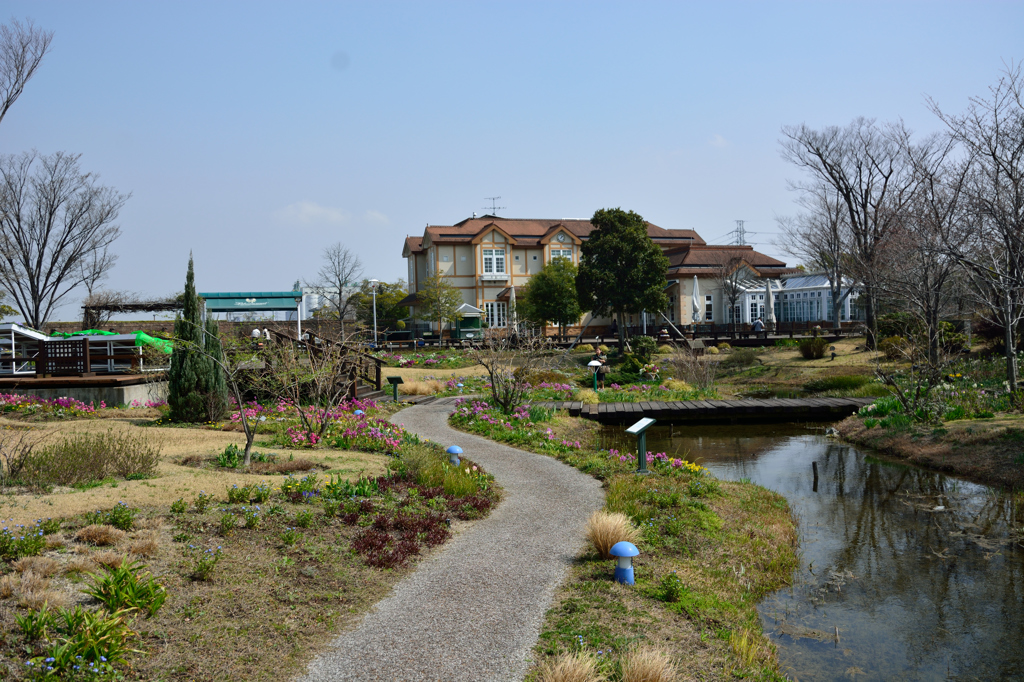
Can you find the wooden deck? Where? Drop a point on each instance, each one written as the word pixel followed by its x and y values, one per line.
pixel 717 411
pixel 99 380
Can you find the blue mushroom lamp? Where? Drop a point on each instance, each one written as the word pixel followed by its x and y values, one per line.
pixel 624 552
pixel 460 387
pixel 358 413
pixel 453 455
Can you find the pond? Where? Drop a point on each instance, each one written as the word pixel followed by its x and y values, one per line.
pixel 921 574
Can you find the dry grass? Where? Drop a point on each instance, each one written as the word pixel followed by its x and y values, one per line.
pixel 31 582
pixel 8 585
pixel 677 385
pixel 283 466
pixel 40 565
pixel 427 387
pixel 37 600
pixel 574 667
pixel 410 374
pixel 605 529
pixel 83 565
pixel 100 535
pixel 108 559
pixel 146 546
pixel 55 541
pixel 648 665
pixel 172 480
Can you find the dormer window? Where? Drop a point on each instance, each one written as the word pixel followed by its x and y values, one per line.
pixel 561 253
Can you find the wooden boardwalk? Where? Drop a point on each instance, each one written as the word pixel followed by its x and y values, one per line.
pixel 717 411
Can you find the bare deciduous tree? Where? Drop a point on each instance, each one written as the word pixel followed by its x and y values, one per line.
pixel 510 359
pixel 867 168
pixel 341 270
pixel 991 249
pixel 22 48
pixel 52 217
pixel 820 237
pixel 919 269
pixel 728 272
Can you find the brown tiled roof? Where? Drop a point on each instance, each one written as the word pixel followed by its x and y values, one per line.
pixel 529 232
pixel 708 256
pixel 411 299
pixel 506 293
pixel 414 244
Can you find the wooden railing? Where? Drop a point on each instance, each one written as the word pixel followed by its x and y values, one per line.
pixel 67 357
pixel 364 365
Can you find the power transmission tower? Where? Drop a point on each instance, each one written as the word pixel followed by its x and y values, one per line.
pixel 493 208
pixel 739 235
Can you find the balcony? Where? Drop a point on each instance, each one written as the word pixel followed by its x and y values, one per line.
pixel 494 277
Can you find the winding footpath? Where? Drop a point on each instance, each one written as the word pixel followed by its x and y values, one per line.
pixel 472 612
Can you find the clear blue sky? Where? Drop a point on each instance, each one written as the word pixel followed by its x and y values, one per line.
pixel 255 133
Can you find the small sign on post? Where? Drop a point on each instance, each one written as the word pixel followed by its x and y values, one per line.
pixel 394 381
pixel 639 430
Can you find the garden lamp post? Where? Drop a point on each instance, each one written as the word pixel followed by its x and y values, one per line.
pixel 624 552
pixel 593 365
pixel 639 430
pixel 373 284
pixel 453 455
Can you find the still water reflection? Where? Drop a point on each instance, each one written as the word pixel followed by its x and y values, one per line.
pixel 922 574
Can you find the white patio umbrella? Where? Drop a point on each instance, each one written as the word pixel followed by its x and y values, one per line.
pixel 512 305
pixel 696 302
pixel 769 304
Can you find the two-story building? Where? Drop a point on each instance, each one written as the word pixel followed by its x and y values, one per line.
pixel 485 256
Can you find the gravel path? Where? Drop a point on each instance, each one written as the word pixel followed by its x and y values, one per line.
pixel 474 610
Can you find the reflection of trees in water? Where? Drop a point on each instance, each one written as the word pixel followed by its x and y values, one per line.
pixel 952 577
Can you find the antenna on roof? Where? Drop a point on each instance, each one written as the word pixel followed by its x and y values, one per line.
pixel 494 208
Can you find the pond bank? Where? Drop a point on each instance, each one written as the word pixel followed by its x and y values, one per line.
pixel 989 451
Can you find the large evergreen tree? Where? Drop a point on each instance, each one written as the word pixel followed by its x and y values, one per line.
pixel 622 270
pixel 550 296
pixel 190 373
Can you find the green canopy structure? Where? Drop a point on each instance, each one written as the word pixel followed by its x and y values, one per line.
pixel 141 338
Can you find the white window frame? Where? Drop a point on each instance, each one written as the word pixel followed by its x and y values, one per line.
pixel 709 309
pixel 496 313
pixel 561 253
pixel 494 261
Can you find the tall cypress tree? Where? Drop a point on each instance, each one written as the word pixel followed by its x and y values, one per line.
pixel 189 376
pixel 217 391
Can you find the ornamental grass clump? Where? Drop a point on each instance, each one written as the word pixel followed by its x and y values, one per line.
pixel 604 529
pixel 648 665
pixel 571 667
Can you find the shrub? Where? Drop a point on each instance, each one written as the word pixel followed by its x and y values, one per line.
pixel 644 347
pixel 711 350
pixel 120 516
pixel 27 541
pixel 813 349
pixel 603 348
pixel 203 502
pixel 588 396
pixel 203 561
pixel 893 347
pixel 583 348
pixel 87 457
pixel 724 346
pixel 677 385
pixel 605 529
pixel 100 535
pixel 179 506
pixel 227 523
pixel 665 349
pixel 836 383
pixel 578 666
pixel 787 343
pixel 648 665
pixel 741 357
pixel 631 364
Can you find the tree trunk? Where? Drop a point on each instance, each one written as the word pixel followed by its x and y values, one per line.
pixel 869 317
pixel 622 331
pixel 1011 343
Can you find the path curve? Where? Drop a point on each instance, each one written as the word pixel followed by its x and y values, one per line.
pixel 473 611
